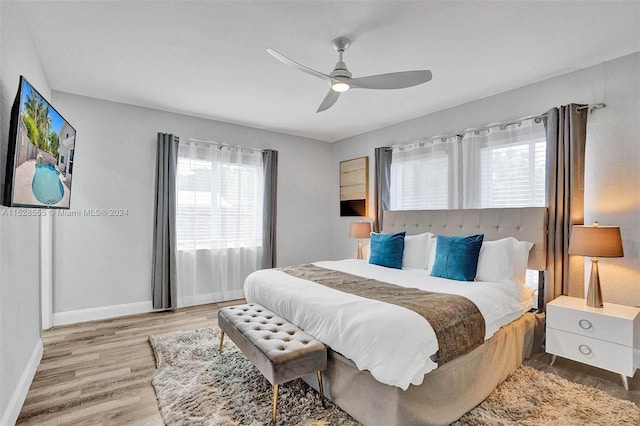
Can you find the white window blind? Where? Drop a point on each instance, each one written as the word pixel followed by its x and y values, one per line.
pixel 219 198
pixel 420 184
pixel 504 166
pixel 513 175
pixel 423 175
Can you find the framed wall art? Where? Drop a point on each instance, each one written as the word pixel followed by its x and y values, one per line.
pixel 354 187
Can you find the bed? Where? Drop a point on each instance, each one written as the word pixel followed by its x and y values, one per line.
pixel 383 366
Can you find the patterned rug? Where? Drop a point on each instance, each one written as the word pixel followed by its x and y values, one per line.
pixel 195 385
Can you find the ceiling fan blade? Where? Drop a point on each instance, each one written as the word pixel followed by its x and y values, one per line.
pixel 394 80
pixel 285 60
pixel 328 101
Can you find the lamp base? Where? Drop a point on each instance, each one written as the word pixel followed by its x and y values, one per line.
pixel 360 256
pixel 594 294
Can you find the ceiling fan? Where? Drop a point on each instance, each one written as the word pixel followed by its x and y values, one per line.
pixel 340 79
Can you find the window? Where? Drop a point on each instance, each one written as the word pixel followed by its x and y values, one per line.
pixel 513 175
pixel 422 177
pixel 504 166
pixel 420 184
pixel 219 199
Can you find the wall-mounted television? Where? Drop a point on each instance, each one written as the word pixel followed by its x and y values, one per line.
pixel 40 153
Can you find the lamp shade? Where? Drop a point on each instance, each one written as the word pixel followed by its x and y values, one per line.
pixel 360 230
pixel 596 241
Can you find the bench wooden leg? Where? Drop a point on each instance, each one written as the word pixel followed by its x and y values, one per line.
pixel 275 404
pixel 221 340
pixel 321 388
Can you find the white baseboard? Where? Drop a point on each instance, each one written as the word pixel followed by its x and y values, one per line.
pixel 20 393
pixel 102 312
pixel 202 299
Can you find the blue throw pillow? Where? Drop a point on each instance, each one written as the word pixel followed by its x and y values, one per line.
pixel 387 249
pixel 457 257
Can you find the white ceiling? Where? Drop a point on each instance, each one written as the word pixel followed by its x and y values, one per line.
pixel 208 59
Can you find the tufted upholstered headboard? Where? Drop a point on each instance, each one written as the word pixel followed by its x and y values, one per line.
pixel 525 224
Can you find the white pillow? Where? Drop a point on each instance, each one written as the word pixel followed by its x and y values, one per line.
pixel 431 244
pixel 503 260
pixel 416 250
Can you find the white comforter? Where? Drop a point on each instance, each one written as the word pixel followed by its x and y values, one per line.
pixel 393 343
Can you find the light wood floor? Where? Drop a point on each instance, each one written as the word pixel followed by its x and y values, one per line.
pixel 100 372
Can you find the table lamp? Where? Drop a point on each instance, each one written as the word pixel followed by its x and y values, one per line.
pixel 595 241
pixel 360 230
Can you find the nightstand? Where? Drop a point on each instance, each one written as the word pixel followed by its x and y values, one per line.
pixel 608 338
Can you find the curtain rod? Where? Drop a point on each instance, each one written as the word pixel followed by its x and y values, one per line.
pixel 503 124
pixel 592 107
pixel 221 145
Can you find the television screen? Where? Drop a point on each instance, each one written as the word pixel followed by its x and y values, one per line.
pixel 40 153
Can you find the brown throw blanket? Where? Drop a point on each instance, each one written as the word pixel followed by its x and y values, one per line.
pixel 457 322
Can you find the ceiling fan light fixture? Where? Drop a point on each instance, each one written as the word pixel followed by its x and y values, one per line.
pixel 340 87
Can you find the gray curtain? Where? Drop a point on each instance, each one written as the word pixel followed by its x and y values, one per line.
pixel 566 130
pixel 270 161
pixel 164 275
pixel 382 182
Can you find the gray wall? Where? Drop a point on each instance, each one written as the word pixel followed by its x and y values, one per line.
pixel 105 261
pixel 19 235
pixel 612 181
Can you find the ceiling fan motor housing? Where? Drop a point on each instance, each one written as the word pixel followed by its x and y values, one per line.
pixel 340 70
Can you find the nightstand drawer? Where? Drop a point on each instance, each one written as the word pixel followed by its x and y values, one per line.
pixel 598 353
pixel 591 324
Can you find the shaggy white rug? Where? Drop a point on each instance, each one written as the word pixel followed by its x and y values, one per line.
pixel 195 385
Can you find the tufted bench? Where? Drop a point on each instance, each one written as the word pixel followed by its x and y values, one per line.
pixel 280 350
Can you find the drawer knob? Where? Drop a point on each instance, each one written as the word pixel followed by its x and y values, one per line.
pixel 584 349
pixel 584 324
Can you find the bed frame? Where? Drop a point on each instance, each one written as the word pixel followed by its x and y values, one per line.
pixel 451 390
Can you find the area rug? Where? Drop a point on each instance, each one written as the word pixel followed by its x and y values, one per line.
pixel 195 385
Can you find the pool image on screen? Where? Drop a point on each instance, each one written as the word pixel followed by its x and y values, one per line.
pixel 44 149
